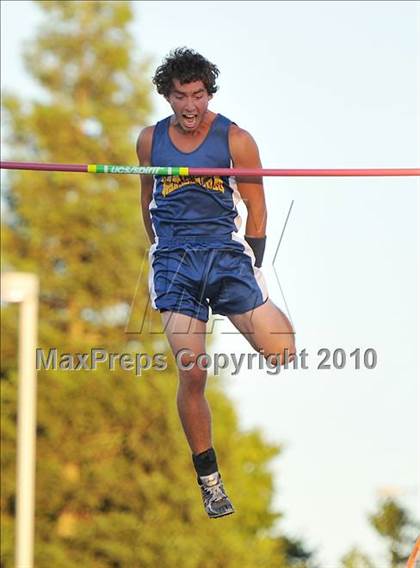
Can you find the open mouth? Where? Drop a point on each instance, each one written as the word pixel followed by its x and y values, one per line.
pixel 190 120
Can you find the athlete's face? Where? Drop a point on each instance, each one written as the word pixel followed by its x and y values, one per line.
pixel 189 103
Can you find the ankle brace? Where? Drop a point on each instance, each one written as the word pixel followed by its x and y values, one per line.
pixel 205 463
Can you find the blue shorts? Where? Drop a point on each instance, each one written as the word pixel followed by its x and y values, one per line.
pixel 189 277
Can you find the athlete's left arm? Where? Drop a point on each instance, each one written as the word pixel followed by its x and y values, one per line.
pixel 244 153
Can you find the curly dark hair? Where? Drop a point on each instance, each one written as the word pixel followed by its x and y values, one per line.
pixel 187 66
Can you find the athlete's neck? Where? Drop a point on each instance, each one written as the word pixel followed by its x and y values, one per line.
pixel 201 129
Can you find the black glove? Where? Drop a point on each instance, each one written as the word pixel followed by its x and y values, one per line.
pixel 258 247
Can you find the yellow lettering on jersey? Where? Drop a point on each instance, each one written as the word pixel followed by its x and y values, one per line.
pixel 172 183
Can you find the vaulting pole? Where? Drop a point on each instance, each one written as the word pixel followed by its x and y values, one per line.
pixel 185 171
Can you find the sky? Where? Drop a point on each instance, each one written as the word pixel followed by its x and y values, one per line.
pixel 318 85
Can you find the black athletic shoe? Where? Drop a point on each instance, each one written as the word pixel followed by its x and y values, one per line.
pixel 216 502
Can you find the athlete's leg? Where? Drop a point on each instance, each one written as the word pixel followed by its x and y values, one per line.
pixel 188 333
pixel 268 330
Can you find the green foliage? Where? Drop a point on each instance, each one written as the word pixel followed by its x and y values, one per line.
pixel 356 559
pixel 393 522
pixel 296 552
pixel 115 485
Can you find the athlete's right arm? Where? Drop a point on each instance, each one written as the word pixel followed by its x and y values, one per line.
pixel 144 154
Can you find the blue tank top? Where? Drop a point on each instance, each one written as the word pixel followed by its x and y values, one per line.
pixel 194 207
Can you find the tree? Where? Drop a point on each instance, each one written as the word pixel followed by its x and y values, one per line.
pixel 296 553
pixel 114 475
pixel 356 559
pixel 393 522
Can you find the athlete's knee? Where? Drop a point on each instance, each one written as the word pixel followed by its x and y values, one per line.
pixel 193 379
pixel 290 348
pixel 284 353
